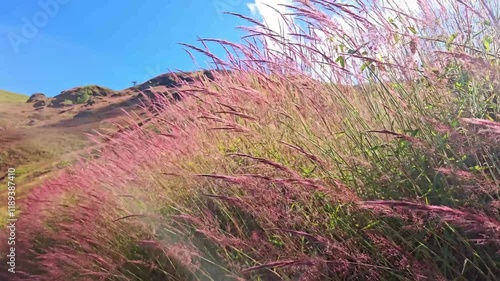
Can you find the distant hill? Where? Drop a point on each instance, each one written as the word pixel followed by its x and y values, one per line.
pixel 9 97
pixel 39 134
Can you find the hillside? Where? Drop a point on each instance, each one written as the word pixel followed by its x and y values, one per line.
pixel 9 97
pixel 359 151
pixel 41 134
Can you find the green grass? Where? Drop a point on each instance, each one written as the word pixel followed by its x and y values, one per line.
pixel 9 97
pixel 67 102
pixel 40 155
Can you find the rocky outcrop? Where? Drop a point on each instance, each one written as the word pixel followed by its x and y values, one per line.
pixel 88 95
pixel 173 79
pixel 36 97
pixel 38 100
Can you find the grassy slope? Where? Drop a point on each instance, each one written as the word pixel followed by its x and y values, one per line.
pixel 9 97
pixel 300 181
pixel 39 151
pixel 36 154
pixel 295 193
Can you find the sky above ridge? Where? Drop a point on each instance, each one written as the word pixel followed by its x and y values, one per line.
pixel 52 45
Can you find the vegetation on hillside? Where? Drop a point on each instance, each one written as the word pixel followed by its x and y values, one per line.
pixel 365 148
pixel 39 153
pixel 80 95
pixel 9 97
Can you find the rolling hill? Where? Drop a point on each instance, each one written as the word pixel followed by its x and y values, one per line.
pixel 9 97
pixel 40 135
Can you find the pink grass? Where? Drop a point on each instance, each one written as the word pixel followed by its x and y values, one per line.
pixel 285 165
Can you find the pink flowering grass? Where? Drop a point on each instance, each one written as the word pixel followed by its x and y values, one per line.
pixel 362 148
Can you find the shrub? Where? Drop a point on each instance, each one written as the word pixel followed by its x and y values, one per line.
pixel 83 96
pixel 67 102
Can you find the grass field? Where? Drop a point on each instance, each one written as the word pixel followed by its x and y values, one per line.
pixel 8 97
pixel 364 150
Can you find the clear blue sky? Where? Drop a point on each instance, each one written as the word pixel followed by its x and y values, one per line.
pixel 104 42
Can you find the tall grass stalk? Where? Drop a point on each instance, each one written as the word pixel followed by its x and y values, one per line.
pixel 363 145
